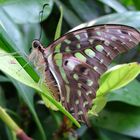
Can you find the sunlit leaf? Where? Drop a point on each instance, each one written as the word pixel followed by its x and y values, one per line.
pixel 11 67
pixel 117 77
pixel 59 25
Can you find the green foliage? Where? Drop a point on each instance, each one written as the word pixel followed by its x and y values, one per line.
pixel 117 77
pixel 20 24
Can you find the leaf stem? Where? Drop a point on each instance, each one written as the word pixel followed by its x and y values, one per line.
pixel 12 125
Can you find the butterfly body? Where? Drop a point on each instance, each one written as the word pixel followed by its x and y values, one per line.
pixel 76 61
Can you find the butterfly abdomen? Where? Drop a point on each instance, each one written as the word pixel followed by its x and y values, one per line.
pixel 52 85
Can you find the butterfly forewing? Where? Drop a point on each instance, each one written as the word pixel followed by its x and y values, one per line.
pixel 78 59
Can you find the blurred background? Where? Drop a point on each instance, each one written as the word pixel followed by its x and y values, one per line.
pixel 20 24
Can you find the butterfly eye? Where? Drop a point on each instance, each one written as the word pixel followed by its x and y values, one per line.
pixel 36 44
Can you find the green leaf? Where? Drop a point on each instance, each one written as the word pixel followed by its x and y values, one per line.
pixel 120 118
pixel 4 79
pixel 7 44
pixel 23 34
pixel 11 66
pixel 27 95
pixel 16 71
pixel 98 104
pixel 7 26
pixel 69 15
pixel 26 75
pixel 27 11
pixel 137 4
pixel 3 103
pixel 10 134
pixel 91 8
pixel 59 25
pixel 4 116
pixel 108 135
pixel 117 77
pixel 4 2
pixel 129 94
pixel 127 18
pixel 115 5
pixel 127 3
pixel 2 98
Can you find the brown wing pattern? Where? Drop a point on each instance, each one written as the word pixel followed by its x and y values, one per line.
pixel 79 58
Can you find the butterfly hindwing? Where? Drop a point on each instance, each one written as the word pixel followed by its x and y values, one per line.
pixel 82 88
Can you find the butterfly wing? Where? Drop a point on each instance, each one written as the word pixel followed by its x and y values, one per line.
pixel 78 59
pixel 82 86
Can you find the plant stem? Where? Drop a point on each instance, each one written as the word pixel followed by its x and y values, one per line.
pixel 12 125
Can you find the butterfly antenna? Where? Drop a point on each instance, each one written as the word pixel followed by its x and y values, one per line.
pixel 41 18
pixel 23 66
pixel 15 54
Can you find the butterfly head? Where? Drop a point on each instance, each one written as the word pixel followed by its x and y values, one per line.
pixel 36 44
pixel 37 51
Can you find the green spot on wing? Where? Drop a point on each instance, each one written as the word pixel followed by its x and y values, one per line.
pixel 95 68
pixel 90 53
pixel 58 59
pixel 78 37
pixel 67 49
pixel 63 74
pixel 78 46
pixel 67 41
pixel 99 48
pixel 89 82
pixel 98 33
pixel 57 48
pixel 68 93
pixel 80 56
pixel 75 76
pixel 79 92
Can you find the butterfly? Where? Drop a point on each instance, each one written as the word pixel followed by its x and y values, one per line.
pixel 73 64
